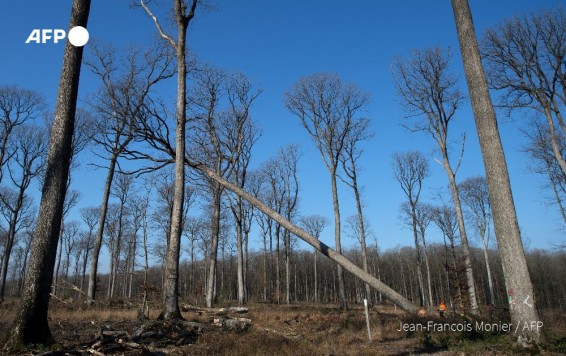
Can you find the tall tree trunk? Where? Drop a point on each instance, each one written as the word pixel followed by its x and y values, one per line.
pixel 362 234
pixel 315 277
pixel 339 271
pixel 10 240
pixel 83 271
pixel 246 254
pixel 489 278
pixel 30 325
pixel 58 263
pixel 264 260
pixel 240 252
pixel 517 278
pixel 463 236
pixel 211 285
pixel 6 258
pixel 91 293
pixel 277 264
pixel 171 283
pixel 286 243
pixel 418 255
pixel 428 274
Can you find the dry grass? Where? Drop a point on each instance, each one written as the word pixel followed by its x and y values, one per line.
pixel 299 329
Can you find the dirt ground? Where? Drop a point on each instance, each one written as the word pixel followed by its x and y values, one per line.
pixel 299 329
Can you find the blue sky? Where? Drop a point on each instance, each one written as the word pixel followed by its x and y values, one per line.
pixel 275 43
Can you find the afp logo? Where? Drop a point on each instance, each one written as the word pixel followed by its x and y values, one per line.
pixel 78 36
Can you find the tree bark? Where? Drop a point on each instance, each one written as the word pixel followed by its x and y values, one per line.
pixel 419 269
pixel 463 236
pixel 91 292
pixel 339 271
pixel 211 285
pixel 362 233
pixel 171 285
pixel 31 326
pixel 11 237
pixel 240 252
pixel 517 279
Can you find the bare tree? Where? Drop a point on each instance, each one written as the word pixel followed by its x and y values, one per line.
pixel 445 219
pixel 118 104
pixel 428 90
pixel 543 162
pixel 156 133
pixel 517 278
pixel 525 59
pixel 242 213
pixel 31 324
pixel 253 184
pixel 328 108
pixel 122 189
pixel 314 225
pixel 475 196
pixel 90 218
pixel 266 225
pixel 323 248
pixel 28 157
pixel 349 159
pixel 221 134
pixel 274 194
pixel 17 106
pixel 183 14
pixel 69 241
pixel 71 199
pixel 424 218
pixel 288 158
pixel 410 170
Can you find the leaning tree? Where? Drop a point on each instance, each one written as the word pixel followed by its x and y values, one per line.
pixel 30 324
pixel 522 301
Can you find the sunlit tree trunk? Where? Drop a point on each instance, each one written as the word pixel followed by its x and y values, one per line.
pixel 30 325
pixel 517 279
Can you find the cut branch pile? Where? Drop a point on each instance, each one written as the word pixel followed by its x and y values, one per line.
pixel 220 317
pixel 151 335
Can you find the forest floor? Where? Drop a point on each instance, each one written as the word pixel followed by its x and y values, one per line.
pixel 297 329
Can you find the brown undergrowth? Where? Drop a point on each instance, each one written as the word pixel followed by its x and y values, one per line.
pixel 297 329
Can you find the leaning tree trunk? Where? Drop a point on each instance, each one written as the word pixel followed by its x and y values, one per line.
pixel 517 279
pixel 313 241
pixel 30 325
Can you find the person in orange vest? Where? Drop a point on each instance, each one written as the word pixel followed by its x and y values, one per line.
pixel 442 308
